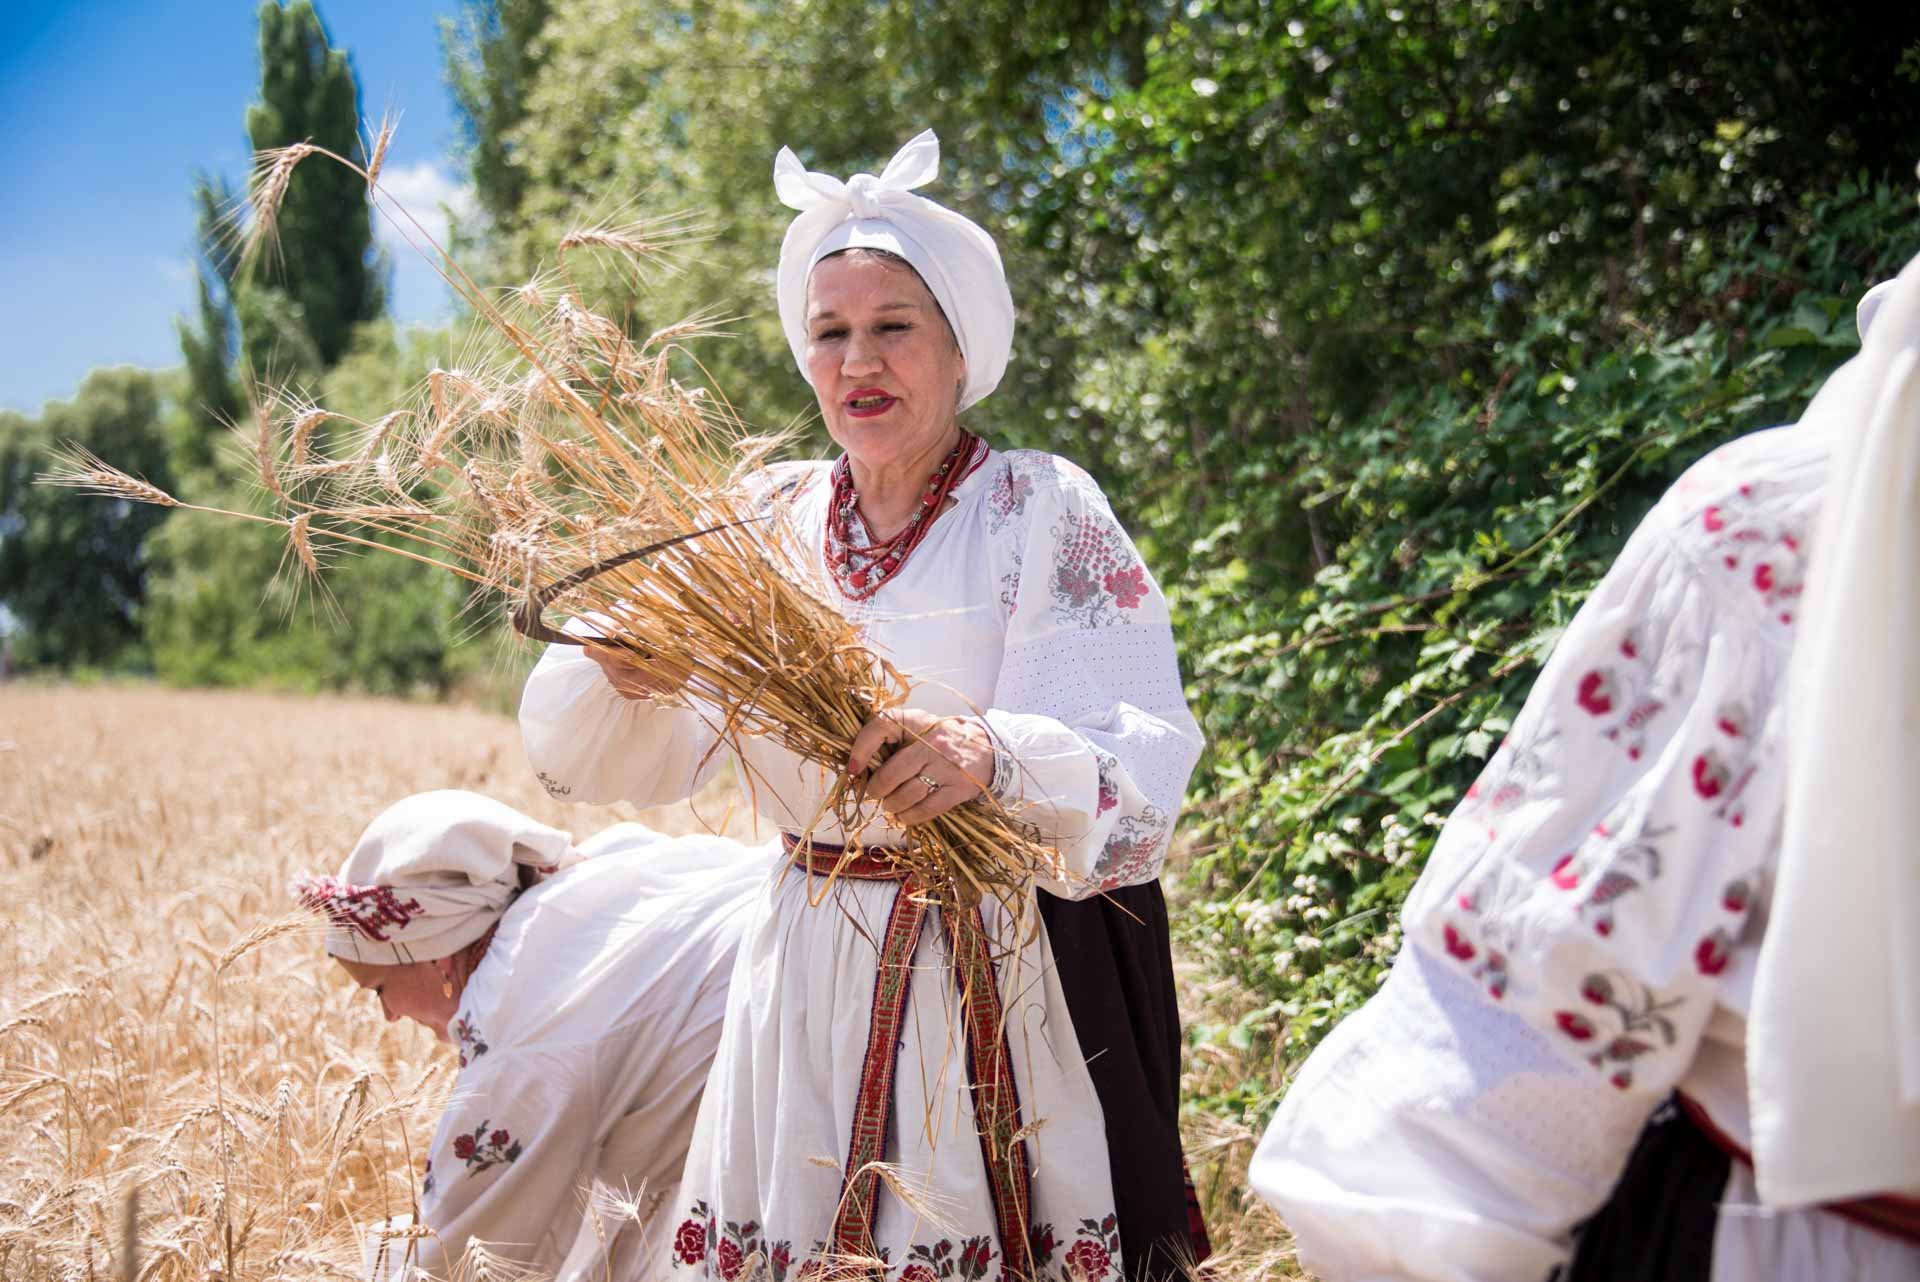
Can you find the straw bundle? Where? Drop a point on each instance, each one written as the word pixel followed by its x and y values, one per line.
pixel 576 474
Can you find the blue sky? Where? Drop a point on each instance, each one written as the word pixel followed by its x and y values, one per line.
pixel 106 109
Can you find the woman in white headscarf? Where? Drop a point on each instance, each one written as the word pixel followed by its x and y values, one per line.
pixel 1022 1098
pixel 582 989
pixel 1686 887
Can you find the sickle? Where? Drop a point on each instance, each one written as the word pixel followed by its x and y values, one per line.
pixel 526 616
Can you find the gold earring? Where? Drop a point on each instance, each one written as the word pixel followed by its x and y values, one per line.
pixel 446 988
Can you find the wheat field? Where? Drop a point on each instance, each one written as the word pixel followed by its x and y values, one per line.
pixel 180 1070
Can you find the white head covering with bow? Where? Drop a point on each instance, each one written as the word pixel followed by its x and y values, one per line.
pixel 955 258
pixel 1833 1032
pixel 431 875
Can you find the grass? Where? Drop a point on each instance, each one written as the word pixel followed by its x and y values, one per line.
pixel 171 1030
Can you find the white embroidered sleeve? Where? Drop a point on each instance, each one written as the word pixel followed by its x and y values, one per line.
pixel 506 1157
pixel 1565 948
pixel 1088 705
pixel 589 743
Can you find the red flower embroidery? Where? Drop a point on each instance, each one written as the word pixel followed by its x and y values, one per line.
pixel 1596 692
pixel 1710 775
pixel 1734 897
pixel 1711 955
pixel 1622 1079
pixel 1044 1244
pixel 918 1273
pixel 730 1259
pixel 1564 875
pixel 975 1256
pixel 1763 576
pixel 1573 1025
pixel 500 1137
pixel 1457 945
pixel 690 1242
pixel 1090 1258
pixel 1129 586
pixel 1712 519
pixel 367 909
pixel 463 1147
pixel 1597 990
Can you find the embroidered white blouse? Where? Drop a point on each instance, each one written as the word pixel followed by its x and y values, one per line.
pixel 585 1036
pixel 1582 941
pixel 1026 604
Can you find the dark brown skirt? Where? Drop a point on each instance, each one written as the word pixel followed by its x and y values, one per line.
pixel 1115 963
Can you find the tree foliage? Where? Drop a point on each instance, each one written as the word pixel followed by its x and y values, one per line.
pixel 493 56
pixel 73 573
pixel 327 278
pixel 210 341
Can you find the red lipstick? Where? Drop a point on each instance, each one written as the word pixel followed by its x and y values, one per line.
pixel 867 402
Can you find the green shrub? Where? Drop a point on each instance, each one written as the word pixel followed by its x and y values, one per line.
pixel 1345 718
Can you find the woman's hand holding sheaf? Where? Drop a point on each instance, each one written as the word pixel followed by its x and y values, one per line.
pixel 937 762
pixel 657 678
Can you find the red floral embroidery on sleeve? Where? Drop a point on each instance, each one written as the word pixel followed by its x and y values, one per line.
pixel 1752 542
pixel 485 1147
pixel 1638 1013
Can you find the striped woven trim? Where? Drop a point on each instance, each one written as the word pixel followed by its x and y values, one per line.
pixel 824 859
pixel 852 1234
pixel 996 1096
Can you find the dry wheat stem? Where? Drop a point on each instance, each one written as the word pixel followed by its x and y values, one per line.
pixel 575 442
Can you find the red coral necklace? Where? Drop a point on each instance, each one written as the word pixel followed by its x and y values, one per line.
pixel 860 569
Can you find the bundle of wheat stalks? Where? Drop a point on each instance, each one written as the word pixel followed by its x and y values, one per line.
pixel 576 474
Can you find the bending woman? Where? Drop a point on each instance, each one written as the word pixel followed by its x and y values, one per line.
pixel 582 989
pixel 1042 667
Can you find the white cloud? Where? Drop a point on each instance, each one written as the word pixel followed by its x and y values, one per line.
pixel 427 192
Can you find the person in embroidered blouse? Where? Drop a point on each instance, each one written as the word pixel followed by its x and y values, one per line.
pixel 1682 889
pixel 1042 668
pixel 582 990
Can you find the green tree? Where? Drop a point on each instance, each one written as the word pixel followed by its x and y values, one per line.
pixel 300 316
pixel 73 570
pixel 493 55
pixel 210 342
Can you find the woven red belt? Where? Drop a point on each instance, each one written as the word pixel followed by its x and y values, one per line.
pixel 1890 1214
pixel 996 1100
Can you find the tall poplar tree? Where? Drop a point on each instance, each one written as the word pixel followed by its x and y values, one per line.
pixel 327 277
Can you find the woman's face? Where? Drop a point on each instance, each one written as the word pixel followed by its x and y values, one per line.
pixel 412 991
pixel 883 361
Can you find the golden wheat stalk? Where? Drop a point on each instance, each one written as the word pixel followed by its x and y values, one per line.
pixel 572 470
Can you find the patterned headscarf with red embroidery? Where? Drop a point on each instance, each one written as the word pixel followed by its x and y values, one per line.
pixel 432 874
